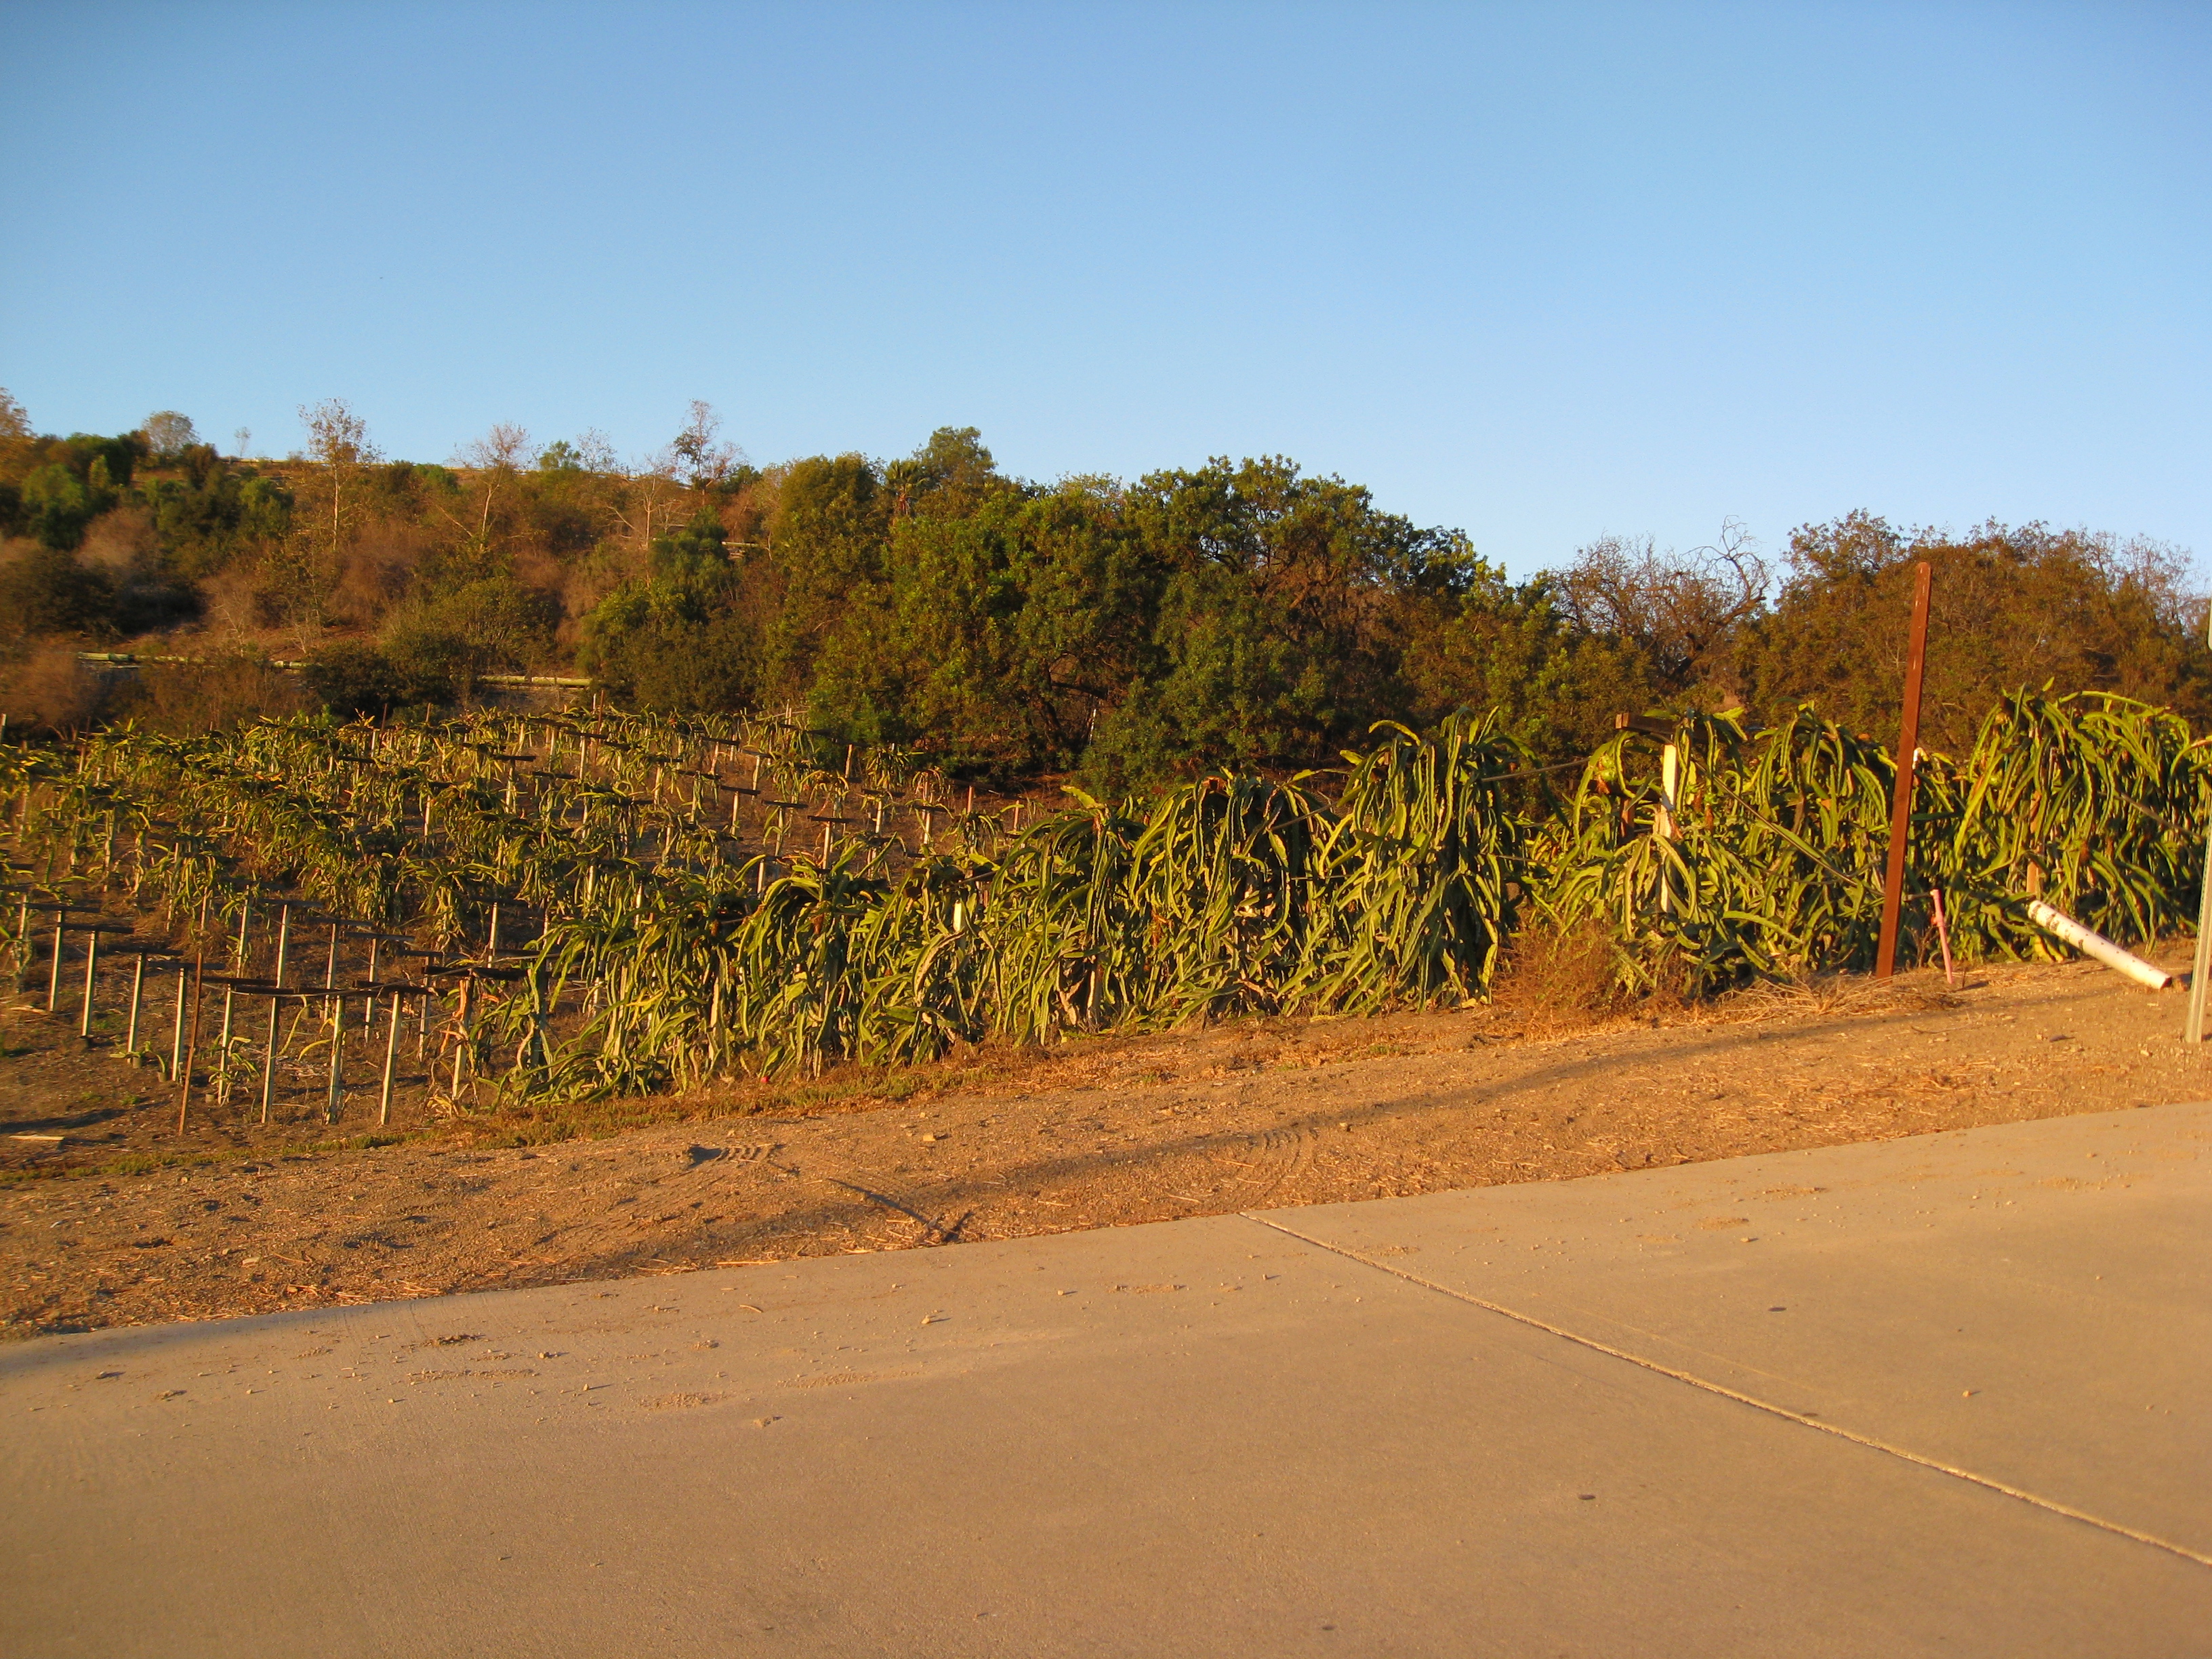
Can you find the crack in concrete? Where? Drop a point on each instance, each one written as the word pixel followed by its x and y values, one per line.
pixel 2036 1499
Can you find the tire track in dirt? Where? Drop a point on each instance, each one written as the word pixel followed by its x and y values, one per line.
pixel 1279 1155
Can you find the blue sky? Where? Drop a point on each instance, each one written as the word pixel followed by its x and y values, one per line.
pixel 1540 272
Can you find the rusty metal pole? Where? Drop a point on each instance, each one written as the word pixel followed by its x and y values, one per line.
pixel 1900 800
pixel 2200 979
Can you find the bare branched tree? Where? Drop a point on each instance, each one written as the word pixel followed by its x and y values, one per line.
pixel 308 564
pixel 502 449
pixel 168 433
pixel 337 436
pixel 595 452
pixel 1679 610
pixel 698 455
pixel 494 459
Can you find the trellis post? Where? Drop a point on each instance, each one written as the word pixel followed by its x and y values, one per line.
pixel 1900 800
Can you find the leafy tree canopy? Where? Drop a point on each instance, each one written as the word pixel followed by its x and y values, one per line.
pixel 1241 611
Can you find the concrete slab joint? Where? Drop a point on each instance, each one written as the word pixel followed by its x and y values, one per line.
pixel 1936 1394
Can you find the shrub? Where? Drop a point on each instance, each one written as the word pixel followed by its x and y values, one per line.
pixel 48 591
pixel 352 678
pixel 57 505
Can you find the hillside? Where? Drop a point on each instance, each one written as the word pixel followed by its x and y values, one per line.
pixel 1240 613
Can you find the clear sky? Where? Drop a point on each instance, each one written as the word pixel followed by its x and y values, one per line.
pixel 1542 272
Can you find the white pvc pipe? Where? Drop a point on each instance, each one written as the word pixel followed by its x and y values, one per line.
pixel 2096 945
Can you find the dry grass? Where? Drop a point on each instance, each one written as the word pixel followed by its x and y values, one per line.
pixel 1848 995
pixel 1561 979
pixel 231 686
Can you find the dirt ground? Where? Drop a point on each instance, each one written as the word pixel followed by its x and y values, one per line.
pixel 110 1217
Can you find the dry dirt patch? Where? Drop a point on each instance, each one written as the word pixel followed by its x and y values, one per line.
pixel 1097 1134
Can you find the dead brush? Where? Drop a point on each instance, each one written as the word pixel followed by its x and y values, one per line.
pixel 1557 978
pixel 1835 994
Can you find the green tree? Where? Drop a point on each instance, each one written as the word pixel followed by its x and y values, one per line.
pixel 1510 647
pixel 1279 622
pixel 47 589
pixel 349 678
pixel 2010 607
pixel 218 511
pixel 58 505
pixel 1022 622
pixel 672 641
pixel 951 476
pixel 827 553
pixel 16 438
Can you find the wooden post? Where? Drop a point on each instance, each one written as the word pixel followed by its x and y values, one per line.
pixel 1670 766
pixel 91 967
pixel 177 1030
pixel 330 1105
pixel 268 1059
pixel 1900 800
pixel 54 971
pixel 230 1001
pixel 461 1035
pixel 391 1054
pixel 223 1048
pixel 191 1049
pixel 137 989
pixel 334 1013
pixel 275 1011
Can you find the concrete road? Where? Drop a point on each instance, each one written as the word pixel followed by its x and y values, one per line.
pixel 1945 1395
